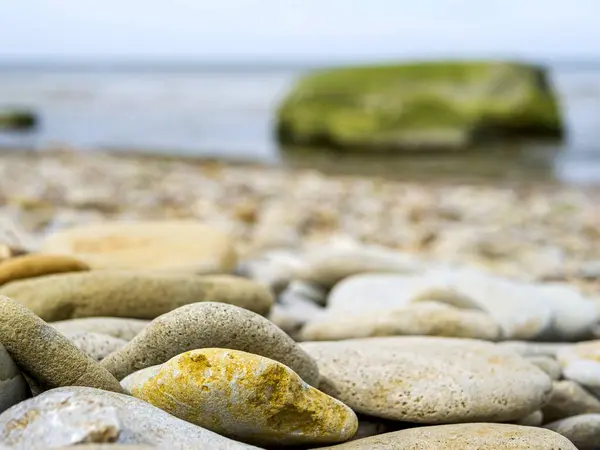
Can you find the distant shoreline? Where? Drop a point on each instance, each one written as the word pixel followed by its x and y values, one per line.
pixel 166 66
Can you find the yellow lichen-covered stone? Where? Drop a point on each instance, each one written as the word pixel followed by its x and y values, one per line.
pixel 244 396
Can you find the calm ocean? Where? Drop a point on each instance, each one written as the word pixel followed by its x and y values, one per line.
pixel 227 112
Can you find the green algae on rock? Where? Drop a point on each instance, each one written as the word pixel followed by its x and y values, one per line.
pixel 436 105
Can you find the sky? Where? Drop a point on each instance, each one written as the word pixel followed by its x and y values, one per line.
pixel 286 30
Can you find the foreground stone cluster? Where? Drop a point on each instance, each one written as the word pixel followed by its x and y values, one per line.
pixel 181 334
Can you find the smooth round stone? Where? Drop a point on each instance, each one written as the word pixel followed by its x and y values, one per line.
pixel 569 399
pixel 137 295
pixel 96 345
pixel 177 245
pixel 47 356
pixel 13 387
pixel 206 325
pixel 327 267
pixel 117 327
pixel 520 310
pixel 243 396
pixel 37 265
pixel 548 365
pixel 583 430
pixel 581 363
pixel 73 415
pixel 430 380
pixel 468 436
pixel 421 319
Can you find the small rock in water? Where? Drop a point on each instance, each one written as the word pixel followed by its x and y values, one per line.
pixel 206 325
pixel 37 265
pixel 117 327
pixel 569 399
pixel 468 436
pixel 45 354
pixel 13 387
pixel 138 295
pixel 95 345
pixel 245 397
pixel 421 319
pixel 430 380
pixel 178 246
pixel 73 415
pixel 583 430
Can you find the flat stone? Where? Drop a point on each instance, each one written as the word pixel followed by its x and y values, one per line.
pixel 243 396
pixel 117 327
pixel 583 430
pixel 137 295
pixel 488 436
pixel 548 365
pixel 430 380
pixel 176 245
pixel 569 399
pixel 13 387
pixel 519 308
pixel 47 356
pixel 581 363
pixel 96 345
pixel 210 325
pixel 73 415
pixel 420 319
pixel 327 267
pixel 37 265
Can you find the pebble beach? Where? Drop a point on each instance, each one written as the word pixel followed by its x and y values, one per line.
pixel 173 303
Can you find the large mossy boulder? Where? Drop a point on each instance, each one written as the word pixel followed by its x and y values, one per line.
pixel 17 120
pixel 421 105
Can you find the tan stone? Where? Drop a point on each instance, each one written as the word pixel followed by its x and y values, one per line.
pixel 243 396
pixel 182 246
pixel 130 294
pixel 206 325
pixel 468 436
pixel 37 265
pixel 430 380
pixel 45 354
pixel 116 327
pixel 421 319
